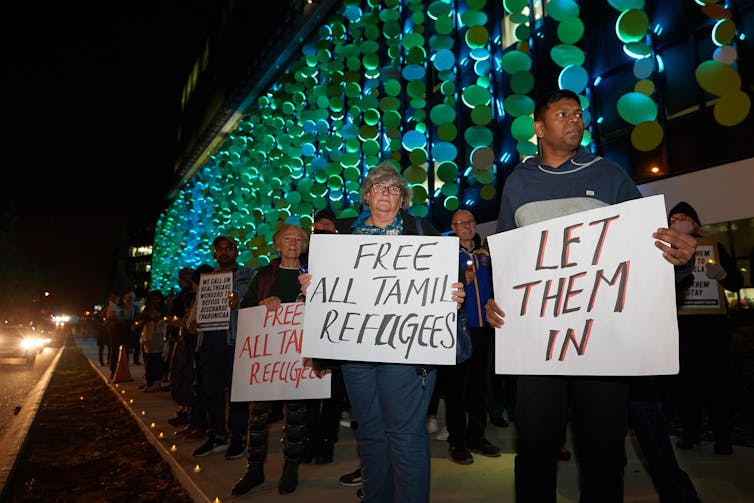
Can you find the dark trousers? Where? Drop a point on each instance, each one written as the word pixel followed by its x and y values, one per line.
pixel 600 419
pixel 118 334
pixel 650 425
pixel 216 362
pixel 323 417
pixel 465 386
pixel 704 354
pixel 153 368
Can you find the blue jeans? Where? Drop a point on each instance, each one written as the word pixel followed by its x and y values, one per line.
pixel 389 403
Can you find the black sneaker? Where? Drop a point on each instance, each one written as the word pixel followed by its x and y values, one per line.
pixel 212 445
pixel 485 448
pixel 460 456
pixel 236 450
pixel 351 479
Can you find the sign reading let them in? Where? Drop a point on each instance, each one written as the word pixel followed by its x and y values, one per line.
pixel 382 299
pixel 586 294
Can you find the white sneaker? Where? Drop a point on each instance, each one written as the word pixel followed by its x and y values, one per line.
pixel 442 434
pixel 432 425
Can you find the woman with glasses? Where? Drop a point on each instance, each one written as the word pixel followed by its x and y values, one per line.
pixel 389 401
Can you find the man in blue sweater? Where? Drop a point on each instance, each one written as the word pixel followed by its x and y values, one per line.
pixel 565 179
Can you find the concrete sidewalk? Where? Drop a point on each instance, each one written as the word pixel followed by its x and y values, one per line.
pixel 718 479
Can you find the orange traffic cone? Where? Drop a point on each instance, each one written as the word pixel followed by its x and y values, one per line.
pixel 122 374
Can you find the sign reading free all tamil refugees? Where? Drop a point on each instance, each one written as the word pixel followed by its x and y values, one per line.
pixel 586 294
pixel 212 309
pixel 268 364
pixel 382 299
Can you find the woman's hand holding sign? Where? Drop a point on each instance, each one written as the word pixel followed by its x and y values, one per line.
pixel 272 303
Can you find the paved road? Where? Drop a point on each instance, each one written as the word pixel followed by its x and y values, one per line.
pixel 17 379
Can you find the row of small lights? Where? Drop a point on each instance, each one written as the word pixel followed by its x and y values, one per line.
pixel 153 426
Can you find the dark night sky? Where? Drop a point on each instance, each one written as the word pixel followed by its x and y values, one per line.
pixel 91 100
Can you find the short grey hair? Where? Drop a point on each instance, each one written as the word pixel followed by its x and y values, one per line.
pixel 285 227
pixel 382 173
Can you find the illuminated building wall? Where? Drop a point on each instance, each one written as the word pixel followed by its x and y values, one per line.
pixel 445 89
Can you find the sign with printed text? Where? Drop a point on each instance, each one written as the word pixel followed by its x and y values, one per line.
pixel 586 294
pixel 212 309
pixel 704 296
pixel 382 298
pixel 268 364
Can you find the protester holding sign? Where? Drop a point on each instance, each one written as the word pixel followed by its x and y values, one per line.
pixel 466 384
pixel 389 401
pixel 216 351
pixel 275 284
pixel 566 179
pixel 705 341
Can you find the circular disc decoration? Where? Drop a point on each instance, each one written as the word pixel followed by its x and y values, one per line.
pixel 515 6
pixel 447 171
pixel 574 78
pixel 415 174
pixel 562 9
pixel 718 78
pixel 636 108
pixel 418 156
pixel 522 82
pixel 723 32
pixel 643 68
pixel 726 54
pixel 647 136
pixel 526 148
pixel 391 119
pixel 472 17
pixel 637 50
pixel 449 189
pixel 566 55
pixel 419 194
pixel 515 61
pixel 413 139
pixel 475 95
pixel 518 104
pixel 522 128
pixel 645 86
pixel 477 36
pixel 438 9
pixel 570 30
pixel 413 72
pixel 443 59
pixel 478 136
pixel 487 192
pixel 451 203
pixel 481 115
pixel 621 5
pixel 438 42
pixel 632 25
pixel 521 32
pixel 482 158
pixel 448 88
pixel 419 211
pixel 732 108
pixel 447 132
pixel 442 114
pixel 444 151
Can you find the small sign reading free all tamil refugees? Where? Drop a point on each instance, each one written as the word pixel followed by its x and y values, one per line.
pixel 212 309
pixel 382 298
pixel 586 294
pixel 268 364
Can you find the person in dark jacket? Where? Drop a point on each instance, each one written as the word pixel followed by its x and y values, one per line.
pixel 705 341
pixel 275 284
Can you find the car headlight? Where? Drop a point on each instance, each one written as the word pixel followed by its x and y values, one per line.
pixel 28 343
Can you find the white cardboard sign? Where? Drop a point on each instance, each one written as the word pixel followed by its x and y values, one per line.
pixel 212 309
pixel 382 298
pixel 586 294
pixel 268 364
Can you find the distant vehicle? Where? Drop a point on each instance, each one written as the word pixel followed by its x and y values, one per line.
pixel 18 341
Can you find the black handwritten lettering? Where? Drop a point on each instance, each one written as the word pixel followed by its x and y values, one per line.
pixel 621 272
pixel 600 243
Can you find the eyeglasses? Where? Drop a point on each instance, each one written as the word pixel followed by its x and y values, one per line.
pixel 465 222
pixel 393 190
